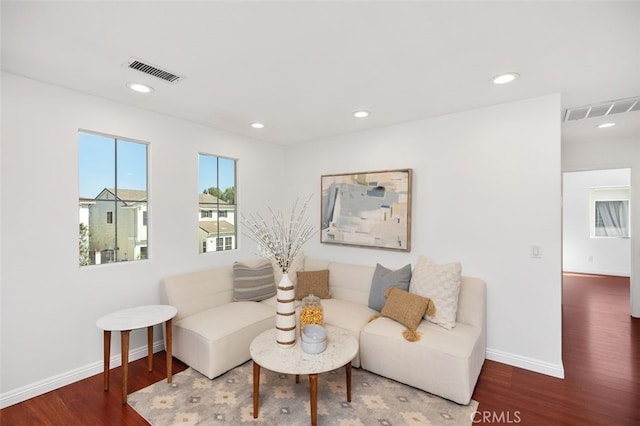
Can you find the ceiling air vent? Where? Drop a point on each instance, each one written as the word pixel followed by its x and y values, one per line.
pixel 603 109
pixel 137 64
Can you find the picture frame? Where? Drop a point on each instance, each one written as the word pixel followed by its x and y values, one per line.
pixel 367 209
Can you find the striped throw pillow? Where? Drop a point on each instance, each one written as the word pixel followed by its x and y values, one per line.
pixel 253 282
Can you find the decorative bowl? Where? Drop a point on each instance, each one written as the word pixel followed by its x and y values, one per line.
pixel 314 333
pixel 314 347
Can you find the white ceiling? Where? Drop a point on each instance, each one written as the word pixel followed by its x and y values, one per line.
pixel 302 68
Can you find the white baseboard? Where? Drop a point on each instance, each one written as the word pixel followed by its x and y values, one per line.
pixel 43 386
pixel 554 370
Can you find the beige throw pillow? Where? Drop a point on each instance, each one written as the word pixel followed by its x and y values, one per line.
pixel 313 282
pixel 440 283
pixel 404 307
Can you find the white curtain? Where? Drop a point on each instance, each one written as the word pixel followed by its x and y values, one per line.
pixel 615 217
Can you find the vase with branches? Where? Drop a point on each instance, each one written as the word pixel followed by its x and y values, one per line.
pixel 280 240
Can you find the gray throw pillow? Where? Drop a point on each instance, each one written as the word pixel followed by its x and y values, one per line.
pixel 253 282
pixel 384 278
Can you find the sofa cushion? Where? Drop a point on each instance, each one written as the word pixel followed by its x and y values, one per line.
pixel 312 264
pixel 350 282
pixel 384 278
pixel 443 362
pixel 253 283
pixel 440 283
pixel 198 291
pixel 348 315
pixel 218 339
pixel 313 282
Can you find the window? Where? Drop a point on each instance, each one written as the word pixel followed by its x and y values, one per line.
pixel 609 215
pixel 112 186
pixel 217 193
pixel 224 243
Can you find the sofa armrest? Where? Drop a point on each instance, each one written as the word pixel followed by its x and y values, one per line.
pixel 472 302
pixel 197 291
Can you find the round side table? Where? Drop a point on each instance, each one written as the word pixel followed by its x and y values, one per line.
pixel 132 319
pixel 342 347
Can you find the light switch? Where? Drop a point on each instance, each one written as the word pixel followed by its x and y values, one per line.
pixel 535 251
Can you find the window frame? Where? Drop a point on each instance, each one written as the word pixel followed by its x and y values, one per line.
pixel 608 194
pixel 215 208
pixel 139 217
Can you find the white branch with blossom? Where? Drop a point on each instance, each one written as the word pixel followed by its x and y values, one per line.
pixel 280 241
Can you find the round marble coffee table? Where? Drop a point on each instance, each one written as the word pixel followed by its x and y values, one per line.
pixel 131 319
pixel 342 347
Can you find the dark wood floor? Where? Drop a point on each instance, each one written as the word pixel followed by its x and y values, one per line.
pixel 601 353
pixel 601 356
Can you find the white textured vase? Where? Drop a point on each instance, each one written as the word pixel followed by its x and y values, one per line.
pixel 285 313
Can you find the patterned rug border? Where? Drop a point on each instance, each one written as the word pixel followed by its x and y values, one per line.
pixel 193 399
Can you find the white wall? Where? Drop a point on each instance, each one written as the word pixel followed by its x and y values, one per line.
pixel 478 177
pixel 614 154
pixel 581 252
pixel 49 304
pixel 487 187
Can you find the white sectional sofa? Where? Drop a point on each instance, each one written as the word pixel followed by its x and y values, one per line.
pixel 212 333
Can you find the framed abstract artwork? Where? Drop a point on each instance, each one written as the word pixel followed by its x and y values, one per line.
pixel 367 209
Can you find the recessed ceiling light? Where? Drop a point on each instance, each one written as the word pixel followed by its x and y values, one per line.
pixel 140 88
pixel 605 125
pixel 361 114
pixel 257 125
pixel 505 78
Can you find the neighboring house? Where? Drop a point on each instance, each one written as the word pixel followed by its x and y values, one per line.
pixel 216 224
pixel 126 213
pixel 84 207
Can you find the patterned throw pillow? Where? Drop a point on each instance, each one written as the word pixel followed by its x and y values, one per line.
pixel 253 283
pixel 440 283
pixel 313 282
pixel 384 278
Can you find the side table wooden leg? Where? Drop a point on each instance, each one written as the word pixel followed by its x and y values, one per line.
pixel 107 357
pixel 348 368
pixel 256 388
pixel 124 342
pixel 169 348
pixel 313 398
pixel 150 348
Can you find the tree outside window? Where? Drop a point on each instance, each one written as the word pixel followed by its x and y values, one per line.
pixel 112 185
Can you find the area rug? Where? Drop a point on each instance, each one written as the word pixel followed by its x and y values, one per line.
pixel 193 399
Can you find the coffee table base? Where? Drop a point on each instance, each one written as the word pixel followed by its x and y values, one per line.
pixel 313 391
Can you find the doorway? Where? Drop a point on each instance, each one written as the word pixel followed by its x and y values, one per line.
pixel 590 244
